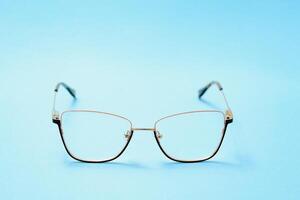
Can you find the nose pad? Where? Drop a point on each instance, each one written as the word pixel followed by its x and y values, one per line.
pixel 127 135
pixel 159 135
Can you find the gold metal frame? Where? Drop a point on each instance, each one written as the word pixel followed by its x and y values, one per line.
pixel 57 119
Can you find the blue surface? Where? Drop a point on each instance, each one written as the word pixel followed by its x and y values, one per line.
pixel 144 61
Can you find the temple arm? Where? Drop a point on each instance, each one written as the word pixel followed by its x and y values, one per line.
pixel 229 115
pixel 72 92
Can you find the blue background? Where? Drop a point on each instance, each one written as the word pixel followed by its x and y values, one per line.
pixel 145 60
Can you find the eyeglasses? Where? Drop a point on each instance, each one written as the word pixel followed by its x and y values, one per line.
pixel 96 137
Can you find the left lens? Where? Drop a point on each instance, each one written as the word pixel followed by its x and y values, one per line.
pixel 94 136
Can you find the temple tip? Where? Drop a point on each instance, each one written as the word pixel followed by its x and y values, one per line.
pixel 68 88
pixel 204 89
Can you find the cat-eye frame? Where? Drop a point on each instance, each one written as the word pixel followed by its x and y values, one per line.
pixel 96 137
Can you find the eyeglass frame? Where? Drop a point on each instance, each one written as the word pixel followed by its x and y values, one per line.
pixel 57 117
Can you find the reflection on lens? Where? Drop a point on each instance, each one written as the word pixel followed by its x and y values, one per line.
pixel 191 136
pixel 93 136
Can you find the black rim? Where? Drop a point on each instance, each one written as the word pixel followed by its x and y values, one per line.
pixel 192 161
pixel 91 161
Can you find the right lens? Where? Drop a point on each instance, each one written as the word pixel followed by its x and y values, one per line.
pixel 94 136
pixel 191 136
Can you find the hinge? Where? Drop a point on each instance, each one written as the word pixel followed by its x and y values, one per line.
pixel 55 116
pixel 229 116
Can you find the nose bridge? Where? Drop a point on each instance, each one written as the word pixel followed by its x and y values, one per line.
pixel 143 129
